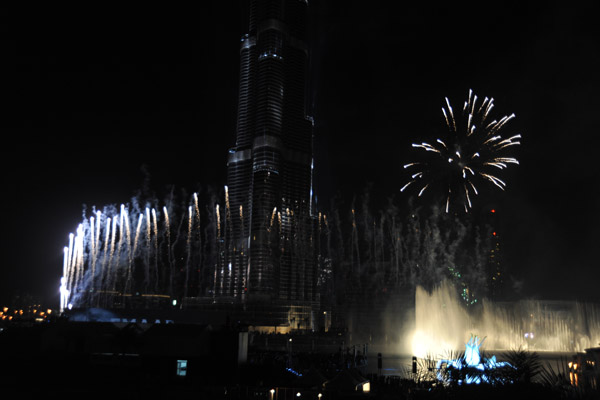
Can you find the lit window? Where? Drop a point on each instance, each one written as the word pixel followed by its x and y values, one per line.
pixel 181 367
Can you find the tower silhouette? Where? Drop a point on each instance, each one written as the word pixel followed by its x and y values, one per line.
pixel 267 254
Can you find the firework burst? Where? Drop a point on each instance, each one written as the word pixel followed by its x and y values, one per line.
pixel 472 150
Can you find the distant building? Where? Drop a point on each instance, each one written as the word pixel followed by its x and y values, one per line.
pixel 495 264
pixel 584 369
pixel 267 246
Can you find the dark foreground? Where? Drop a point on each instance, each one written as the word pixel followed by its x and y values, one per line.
pixel 131 361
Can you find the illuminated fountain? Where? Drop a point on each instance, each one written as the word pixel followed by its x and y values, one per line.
pixel 442 321
pixel 471 360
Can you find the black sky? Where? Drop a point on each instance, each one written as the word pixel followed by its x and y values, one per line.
pixel 99 99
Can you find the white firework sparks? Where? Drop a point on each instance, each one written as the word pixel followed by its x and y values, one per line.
pixel 471 150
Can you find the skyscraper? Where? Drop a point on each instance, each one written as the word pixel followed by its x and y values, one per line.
pixel 268 254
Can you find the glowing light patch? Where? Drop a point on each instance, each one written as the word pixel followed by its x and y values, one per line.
pixel 472 359
pixel 181 367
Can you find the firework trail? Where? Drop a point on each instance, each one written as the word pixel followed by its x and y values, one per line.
pixel 272 218
pixel 137 233
pixel 197 209
pixel 216 266
pixel 111 256
pixel 78 257
pixel 354 263
pixel 242 224
pixel 218 216
pixel 243 251
pixel 227 211
pixel 112 242
pixel 188 247
pixel 279 219
pixel 93 249
pixel 169 258
pixel 132 253
pixel 199 233
pixel 73 267
pixel 78 254
pixel 155 245
pixel 148 250
pixel 105 252
pixel 64 292
pixel 227 229
pixel 65 261
pixel 97 244
pixel 106 257
pixel 125 223
pixel 69 273
pixel 218 221
pixel 470 151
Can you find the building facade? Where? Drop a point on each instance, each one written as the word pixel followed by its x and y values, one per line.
pixel 267 253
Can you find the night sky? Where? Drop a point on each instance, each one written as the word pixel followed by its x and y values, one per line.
pixel 101 101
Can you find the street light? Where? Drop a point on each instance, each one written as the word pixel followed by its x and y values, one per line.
pixel 272 392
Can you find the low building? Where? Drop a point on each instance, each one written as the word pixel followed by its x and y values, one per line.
pixel 584 369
